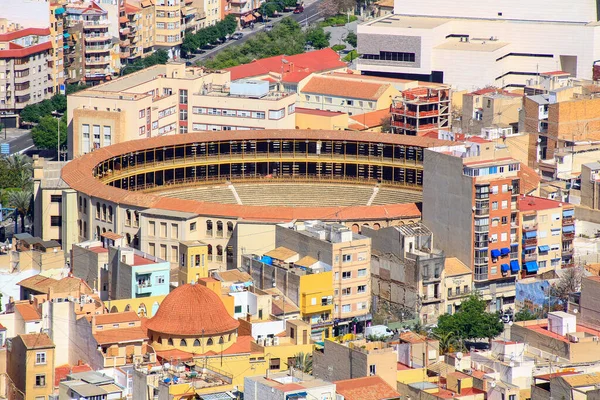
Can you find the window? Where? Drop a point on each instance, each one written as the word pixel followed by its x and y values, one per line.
pixel 40 357
pixel 163 229
pixel 346 291
pixel 274 363
pixel 494 237
pixel 337 276
pixel 449 292
pixel 183 96
pixel 40 380
pixel 504 204
pixel 346 308
pixel 346 274
pixel 362 289
pixel 361 306
pixel 391 56
pixel 362 256
pixel 174 231
pixel 504 187
pixel 504 220
pixel 555 232
pixel 196 343
pixel 107 135
pixel 170 342
pixel 183 115
pixel 291 109
pixel 542 234
pixel 458 290
pixel 346 257
pixel 372 369
pixel 151 228
pixel 142 130
pixel 192 227
pixel 142 113
pixel 277 114
pixel 183 343
pixel 328 100
pixel 160 279
pixel 56 198
pixel 503 237
pixel 542 264
pixel 55 220
pixel 494 205
pixel 85 131
pixel 258 114
pixel 350 102
pixel 555 217
pixel 362 272
pixel 238 309
pixel 96 136
pixel 209 342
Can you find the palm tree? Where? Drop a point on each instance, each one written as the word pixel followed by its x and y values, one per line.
pixel 19 162
pixel 21 201
pixel 448 342
pixel 302 362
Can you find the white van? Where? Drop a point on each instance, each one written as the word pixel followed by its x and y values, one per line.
pixel 378 330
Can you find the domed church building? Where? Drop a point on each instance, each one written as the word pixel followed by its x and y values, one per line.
pixel 192 318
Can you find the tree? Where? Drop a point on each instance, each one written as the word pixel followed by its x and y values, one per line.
pixel 448 342
pixel 45 133
pixel 329 8
pixel 525 314
pixel 318 38
pixel 351 39
pixel 386 124
pixel 21 170
pixel 59 103
pixel 74 87
pixel 21 201
pixel 302 362
pixel 471 321
pixel 569 282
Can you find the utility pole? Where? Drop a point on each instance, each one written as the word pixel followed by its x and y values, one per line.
pixel 58 116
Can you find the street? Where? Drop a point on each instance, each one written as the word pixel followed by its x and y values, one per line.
pixel 20 140
pixel 311 14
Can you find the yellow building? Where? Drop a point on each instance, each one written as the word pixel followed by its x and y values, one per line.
pixel 548 231
pixel 170 99
pixel 56 30
pixel 308 118
pixel 195 323
pixel 143 306
pixel 316 298
pixel 194 261
pixel 30 366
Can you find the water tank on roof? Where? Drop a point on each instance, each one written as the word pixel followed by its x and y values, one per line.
pixel 249 88
pixel 266 260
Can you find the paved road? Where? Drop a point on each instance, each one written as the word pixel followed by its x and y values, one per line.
pixel 21 143
pixel 311 14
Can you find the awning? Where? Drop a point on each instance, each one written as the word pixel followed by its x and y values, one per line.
pixel 248 18
pixel 529 248
pixel 298 395
pixel 531 267
pixel 514 266
pixel 530 234
pixel 544 248
pixel 514 245
pixel 568 213
pixel 504 251
pixel 504 268
pixel 568 229
pixel 495 253
pixel 59 11
pixel 65 47
pixel 66 35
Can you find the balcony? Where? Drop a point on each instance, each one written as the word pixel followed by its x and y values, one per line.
pixel 97 38
pixel 97 61
pixel 431 278
pixel 481 260
pixel 482 211
pixel 431 299
pixel 568 221
pixel 482 228
pixel 124 43
pixel 529 227
pixel 530 242
pixel 97 48
pixel 144 288
pixel 97 23
pixel 124 31
pixel 22 99
pixel 455 295
pixel 124 53
pixel 529 257
pixel 568 236
pixel 567 252
pixel 481 245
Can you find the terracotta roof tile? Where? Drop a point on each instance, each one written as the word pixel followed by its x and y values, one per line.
pixel 116 318
pixel 28 312
pixel 281 253
pixel 61 372
pixel 371 119
pixel 78 174
pixel 120 335
pixel 530 180
pixel 531 203
pixel 7 37
pixel 36 341
pixel 347 88
pixel 367 388
pixel 192 310
pixel 453 266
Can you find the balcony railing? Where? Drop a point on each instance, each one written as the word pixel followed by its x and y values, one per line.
pixel 530 242
pixel 482 211
pixel 98 22
pixel 567 252
pixel 97 48
pixel 480 245
pixel 432 277
pixel 219 258
pixel 209 232
pixel 220 233
pixel 481 260
pixel 482 228
pixel 568 221
pixel 568 236
pixel 431 299
pixel 455 295
pixel 529 257
pixel 144 288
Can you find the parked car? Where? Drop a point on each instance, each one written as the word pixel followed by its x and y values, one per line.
pixel 237 36
pixel 299 10
pixel 268 27
pixel 189 63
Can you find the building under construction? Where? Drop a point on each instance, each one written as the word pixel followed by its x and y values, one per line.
pixel 420 110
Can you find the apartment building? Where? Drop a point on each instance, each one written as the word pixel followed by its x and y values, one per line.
pixel 548 230
pixel 590 185
pixel 57 31
pixel 420 110
pixel 478 44
pixel 26 67
pixel 470 205
pixel 351 96
pixel 308 283
pixel 140 16
pixel 349 255
pixel 170 99
pixel 91 46
pixel 30 366
pixel 490 108
pixel 169 26
pixel 458 283
pixel 407 270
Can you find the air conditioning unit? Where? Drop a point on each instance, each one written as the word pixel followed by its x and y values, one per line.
pixel 486 259
pixel 31 297
pixel 572 338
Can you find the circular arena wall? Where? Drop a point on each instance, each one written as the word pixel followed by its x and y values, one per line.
pixel 115 184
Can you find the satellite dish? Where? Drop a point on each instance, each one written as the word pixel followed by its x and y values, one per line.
pixel 459 355
pixel 575 311
pixel 493 384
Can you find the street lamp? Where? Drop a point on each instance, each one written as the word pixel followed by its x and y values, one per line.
pixel 58 115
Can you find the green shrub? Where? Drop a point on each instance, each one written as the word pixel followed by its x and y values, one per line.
pixel 338 47
pixel 353 55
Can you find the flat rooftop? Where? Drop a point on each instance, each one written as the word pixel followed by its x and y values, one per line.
pixel 405 21
pixel 483 46
pixel 542 328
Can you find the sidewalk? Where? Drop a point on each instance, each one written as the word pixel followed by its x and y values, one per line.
pixel 12 134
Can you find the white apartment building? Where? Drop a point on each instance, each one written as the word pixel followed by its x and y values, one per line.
pixel 473 44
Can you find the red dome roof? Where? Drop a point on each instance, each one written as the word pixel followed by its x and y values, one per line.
pixel 192 310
